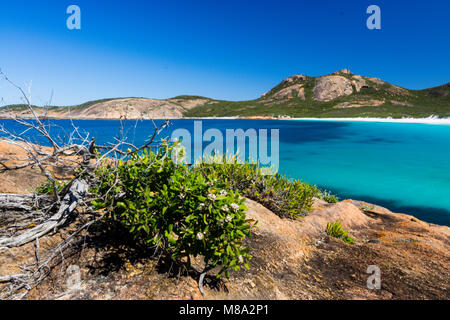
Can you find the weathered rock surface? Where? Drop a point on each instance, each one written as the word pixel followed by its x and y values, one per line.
pixel 292 260
pixel 295 90
pixel 132 109
pixel 21 181
pixel 358 82
pixel 332 87
pixel 342 71
pixel 359 104
pixel 294 78
pixel 128 109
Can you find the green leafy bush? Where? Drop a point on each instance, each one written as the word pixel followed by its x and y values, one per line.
pixel 334 229
pixel 181 210
pixel 328 197
pixel 286 198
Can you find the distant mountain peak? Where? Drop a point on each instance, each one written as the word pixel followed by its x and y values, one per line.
pixel 342 71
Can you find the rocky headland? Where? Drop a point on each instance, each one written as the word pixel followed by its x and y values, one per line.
pixel 293 259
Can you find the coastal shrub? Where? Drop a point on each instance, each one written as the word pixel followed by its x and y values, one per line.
pixel 286 198
pixel 334 229
pixel 328 197
pixel 176 208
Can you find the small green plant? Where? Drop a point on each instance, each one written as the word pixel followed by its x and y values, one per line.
pixel 328 197
pixel 176 208
pixel 334 229
pixel 47 188
pixel 366 207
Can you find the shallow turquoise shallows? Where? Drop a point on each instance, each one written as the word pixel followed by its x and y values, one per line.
pixel 404 167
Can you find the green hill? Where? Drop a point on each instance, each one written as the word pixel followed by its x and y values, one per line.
pixel 341 94
pixel 337 95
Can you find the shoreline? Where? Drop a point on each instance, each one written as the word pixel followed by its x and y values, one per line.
pixel 430 120
pixel 436 121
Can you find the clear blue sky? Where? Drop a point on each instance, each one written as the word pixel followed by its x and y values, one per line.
pixel 233 49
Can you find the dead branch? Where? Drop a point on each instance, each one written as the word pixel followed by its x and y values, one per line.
pixel 76 194
pixel 16 201
pixel 74 152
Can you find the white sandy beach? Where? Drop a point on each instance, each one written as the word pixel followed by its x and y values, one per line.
pixel 429 120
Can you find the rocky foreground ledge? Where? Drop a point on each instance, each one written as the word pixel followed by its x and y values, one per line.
pixel 292 259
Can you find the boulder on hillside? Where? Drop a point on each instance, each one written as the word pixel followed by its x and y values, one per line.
pixel 342 71
pixel 293 91
pixel 358 82
pixel 331 87
pixel 291 79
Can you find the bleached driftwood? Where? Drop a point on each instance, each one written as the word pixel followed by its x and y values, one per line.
pixel 12 277
pixel 74 196
pixel 17 201
pixel 7 197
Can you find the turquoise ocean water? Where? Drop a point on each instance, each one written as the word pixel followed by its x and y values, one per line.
pixel 404 167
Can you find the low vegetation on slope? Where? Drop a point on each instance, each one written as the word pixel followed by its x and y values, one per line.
pixel 189 211
pixel 341 94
